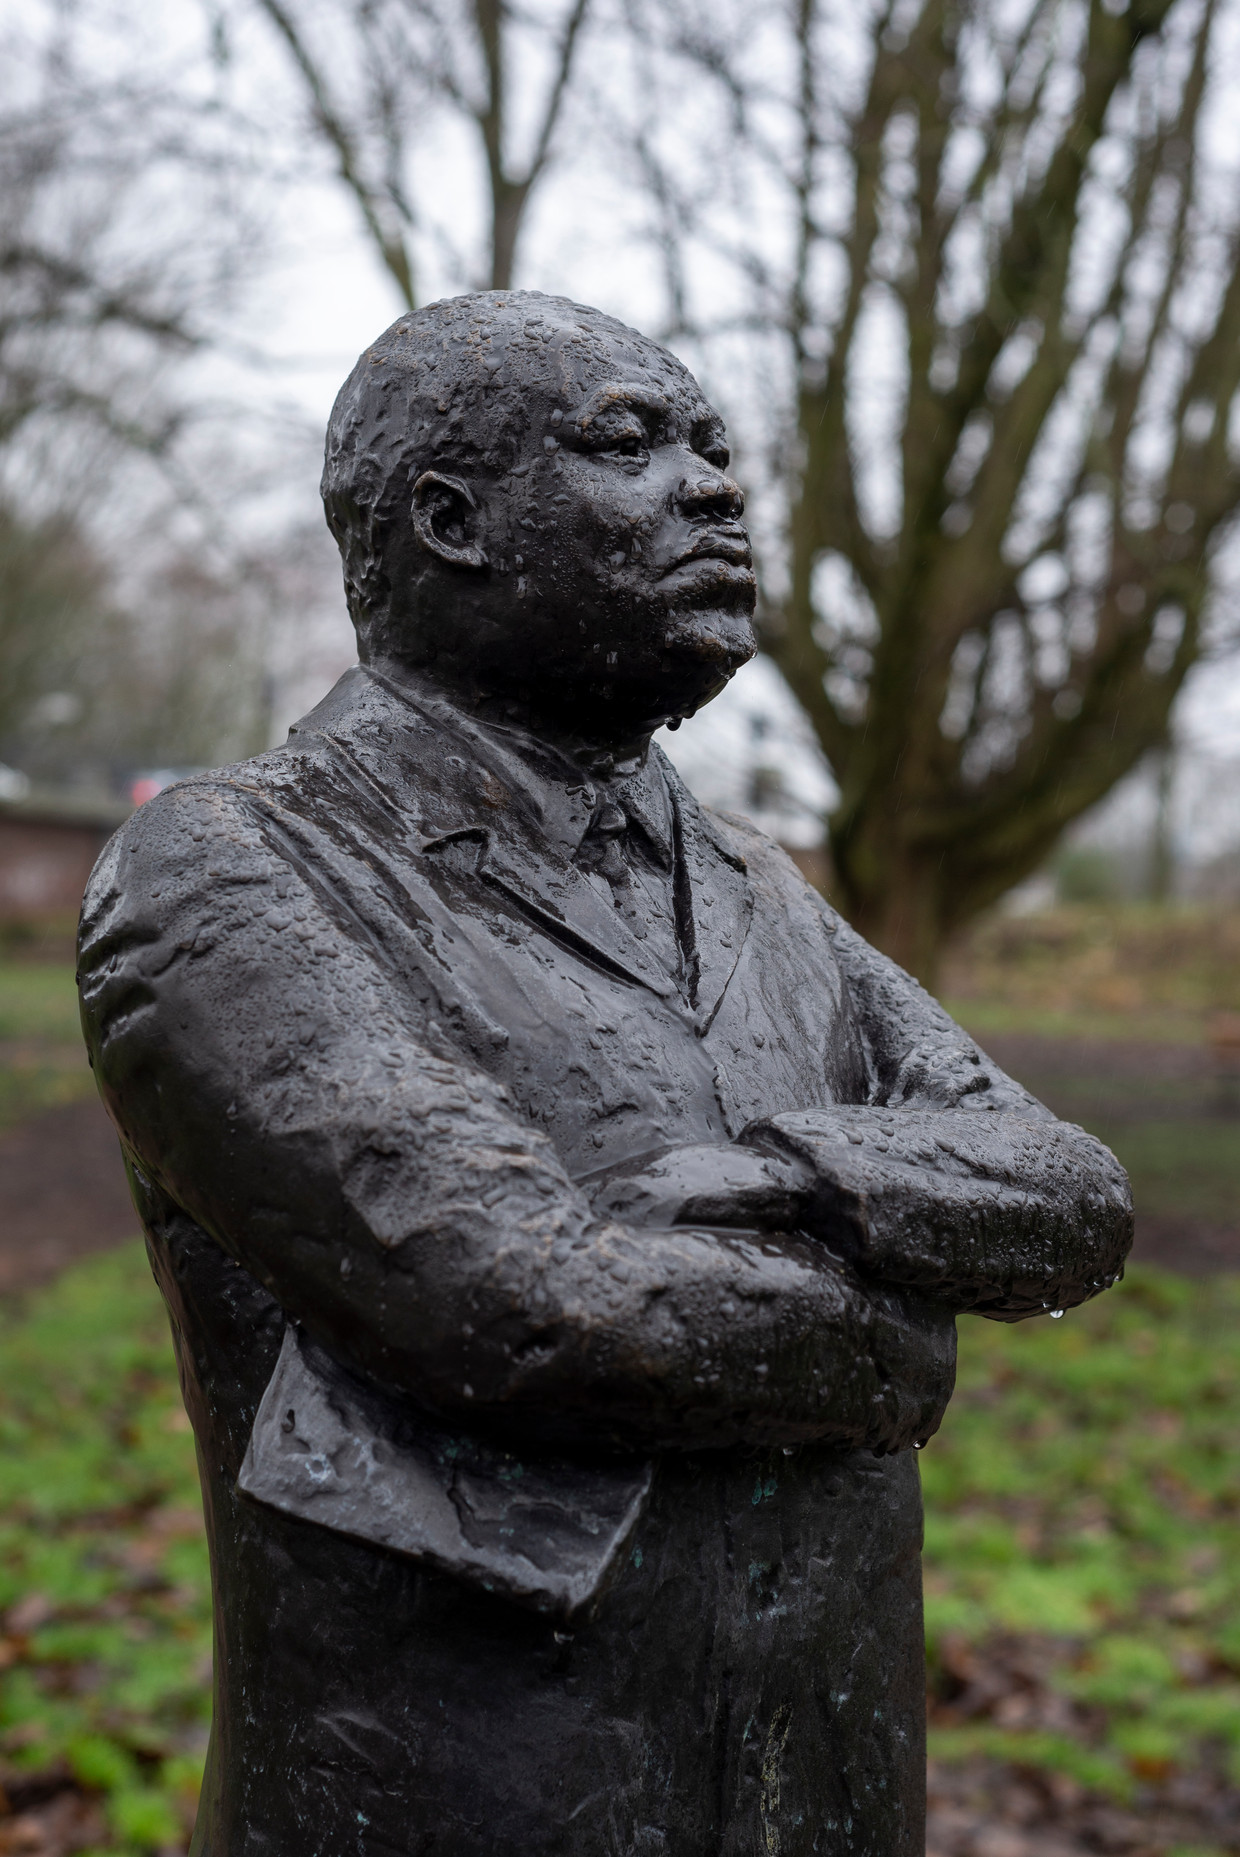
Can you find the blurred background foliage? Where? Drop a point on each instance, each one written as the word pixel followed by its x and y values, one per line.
pixel 964 276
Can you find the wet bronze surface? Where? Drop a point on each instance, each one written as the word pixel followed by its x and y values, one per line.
pixel 570 1131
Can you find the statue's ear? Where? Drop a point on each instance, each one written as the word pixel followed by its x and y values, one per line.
pixel 444 519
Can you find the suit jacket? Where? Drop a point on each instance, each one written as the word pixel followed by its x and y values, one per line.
pixel 482 1213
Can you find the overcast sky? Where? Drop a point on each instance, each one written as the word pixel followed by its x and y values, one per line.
pixel 320 296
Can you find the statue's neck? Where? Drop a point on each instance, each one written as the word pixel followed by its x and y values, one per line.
pixel 601 756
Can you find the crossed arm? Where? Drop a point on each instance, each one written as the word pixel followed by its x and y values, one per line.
pixel 271 1076
pixel 953 1183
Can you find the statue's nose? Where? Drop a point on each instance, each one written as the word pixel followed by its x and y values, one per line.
pixel 711 495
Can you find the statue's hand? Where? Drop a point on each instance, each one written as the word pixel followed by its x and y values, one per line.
pixel 1001 1213
pixel 907 1364
pixel 756 1334
pixel 871 1366
pixel 716 1185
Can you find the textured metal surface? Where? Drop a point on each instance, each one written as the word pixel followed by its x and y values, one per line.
pixel 565 1121
pixel 332 1450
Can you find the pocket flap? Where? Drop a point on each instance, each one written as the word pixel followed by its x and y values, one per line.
pixel 331 1449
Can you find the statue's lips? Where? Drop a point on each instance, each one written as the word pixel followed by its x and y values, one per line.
pixel 730 550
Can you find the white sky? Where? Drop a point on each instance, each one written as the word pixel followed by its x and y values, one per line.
pixel 322 296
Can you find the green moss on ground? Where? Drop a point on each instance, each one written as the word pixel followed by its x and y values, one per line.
pixel 104 1590
pixel 1083 1541
pixel 1082 1553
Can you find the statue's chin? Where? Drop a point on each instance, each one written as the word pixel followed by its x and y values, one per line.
pixel 714 636
pixel 609 709
pixel 704 651
pixel 680 660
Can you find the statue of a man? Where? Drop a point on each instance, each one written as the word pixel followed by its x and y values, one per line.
pixel 562 1214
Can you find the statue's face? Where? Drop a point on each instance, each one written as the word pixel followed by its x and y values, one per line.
pixel 605 584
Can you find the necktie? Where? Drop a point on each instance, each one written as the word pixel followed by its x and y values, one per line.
pixel 617 849
pixel 602 847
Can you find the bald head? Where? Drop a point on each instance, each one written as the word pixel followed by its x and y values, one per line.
pixel 451 487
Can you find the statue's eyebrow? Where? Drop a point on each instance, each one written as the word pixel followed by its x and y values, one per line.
pixel 632 396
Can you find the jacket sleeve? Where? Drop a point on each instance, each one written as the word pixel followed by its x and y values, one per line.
pixel 271 1075
pixel 954 1181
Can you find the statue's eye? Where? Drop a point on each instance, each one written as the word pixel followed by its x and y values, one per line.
pixel 615 432
pixel 709 443
pixel 629 440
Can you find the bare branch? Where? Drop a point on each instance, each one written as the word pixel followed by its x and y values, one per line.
pixel 569 37
pixel 392 247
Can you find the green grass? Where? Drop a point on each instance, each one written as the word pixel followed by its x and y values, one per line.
pixel 1185 1168
pixel 983 1017
pixel 26 1089
pixel 1083 1502
pixel 1083 1499
pixel 39 1001
pixel 1075 969
pixel 103 1568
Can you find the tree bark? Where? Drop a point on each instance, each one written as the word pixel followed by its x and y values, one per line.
pixel 508 210
pixel 902 913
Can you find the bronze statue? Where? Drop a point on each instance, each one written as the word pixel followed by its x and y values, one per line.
pixel 562 1214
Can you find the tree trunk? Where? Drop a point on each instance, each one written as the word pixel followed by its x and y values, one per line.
pixel 893 895
pixel 967 715
pixel 508 209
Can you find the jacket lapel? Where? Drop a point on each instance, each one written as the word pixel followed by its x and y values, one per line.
pixel 555 895
pixel 448 785
pixel 443 788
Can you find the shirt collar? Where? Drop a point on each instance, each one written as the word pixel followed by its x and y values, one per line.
pixel 563 795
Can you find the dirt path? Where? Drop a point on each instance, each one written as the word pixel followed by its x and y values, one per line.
pixel 1116 1085
pixel 63 1193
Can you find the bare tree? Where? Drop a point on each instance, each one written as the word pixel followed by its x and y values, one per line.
pixel 374 71
pixel 123 231
pixel 1010 304
pixel 100 680
pixel 50 599
pixel 131 623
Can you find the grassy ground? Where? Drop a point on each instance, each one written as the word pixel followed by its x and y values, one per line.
pixel 1083 1498
pixel 1082 1573
pixel 1180 1168
pixel 1083 1552
pixel 1090 971
pixel 104 1593
pixel 1127 1020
